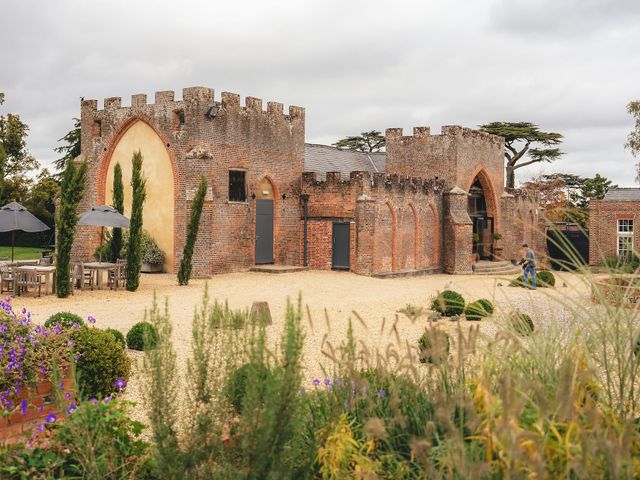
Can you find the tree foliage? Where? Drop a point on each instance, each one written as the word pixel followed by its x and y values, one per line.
pixel 71 190
pixel 15 159
pixel 71 147
pixel 633 140
pixel 371 141
pixel 134 251
pixel 520 139
pixel 192 233
pixel 118 204
pixel 566 197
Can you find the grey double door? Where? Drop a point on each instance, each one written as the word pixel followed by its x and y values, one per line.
pixel 264 231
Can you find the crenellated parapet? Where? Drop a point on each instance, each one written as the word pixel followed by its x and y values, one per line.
pixel 373 182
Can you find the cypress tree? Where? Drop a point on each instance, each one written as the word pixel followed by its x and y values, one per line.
pixel 71 190
pixel 118 204
pixel 134 251
pixel 192 232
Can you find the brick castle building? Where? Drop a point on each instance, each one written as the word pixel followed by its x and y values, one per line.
pixel 612 225
pixel 430 203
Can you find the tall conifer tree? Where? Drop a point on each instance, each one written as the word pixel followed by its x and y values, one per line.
pixel 134 250
pixel 118 204
pixel 192 233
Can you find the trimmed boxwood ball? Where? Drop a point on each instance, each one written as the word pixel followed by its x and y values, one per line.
pixel 118 336
pixel 488 306
pixel 522 323
pixel 476 311
pixel 65 319
pixel 140 333
pixel 236 385
pixel 545 279
pixel 102 361
pixel 448 303
pixel 434 346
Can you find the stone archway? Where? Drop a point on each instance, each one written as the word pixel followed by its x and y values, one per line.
pixel 157 168
pixel 482 209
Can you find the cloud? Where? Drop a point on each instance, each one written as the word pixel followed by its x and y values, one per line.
pixel 568 66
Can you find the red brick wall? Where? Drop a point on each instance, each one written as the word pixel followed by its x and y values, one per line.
pixel 397 226
pixel 603 227
pixel 18 427
pixel 216 136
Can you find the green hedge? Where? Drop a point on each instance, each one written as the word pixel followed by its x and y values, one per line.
pixel 142 336
pixel 448 303
pixel 434 346
pixel 118 336
pixel 478 309
pixel 65 319
pixel 521 322
pixel 543 279
pixel 102 361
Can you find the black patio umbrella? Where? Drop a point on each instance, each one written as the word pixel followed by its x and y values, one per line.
pixel 103 216
pixel 14 216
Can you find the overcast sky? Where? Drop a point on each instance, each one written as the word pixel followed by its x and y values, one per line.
pixel 571 66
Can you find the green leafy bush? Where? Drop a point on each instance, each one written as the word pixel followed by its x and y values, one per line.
pixel 488 306
pixel 477 310
pixel 521 322
pixel 543 279
pixel 236 387
pixel 65 319
pixel 142 336
pixel 448 303
pixel 97 440
pixel 102 360
pixel 118 336
pixel 434 346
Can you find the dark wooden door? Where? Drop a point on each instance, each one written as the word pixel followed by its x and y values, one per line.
pixel 264 231
pixel 341 250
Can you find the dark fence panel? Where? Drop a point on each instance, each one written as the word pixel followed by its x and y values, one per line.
pixel 568 249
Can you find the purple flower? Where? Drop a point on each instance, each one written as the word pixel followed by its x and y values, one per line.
pixel 67 395
pixel 120 384
pixel 91 319
pixel 41 409
pixel 51 418
pixel 23 407
pixel 316 381
pixel 93 401
pixel 71 408
pixel 40 427
pixel 107 400
pixel 75 326
pixel 328 383
pixel 382 393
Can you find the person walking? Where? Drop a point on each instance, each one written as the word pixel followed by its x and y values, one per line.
pixel 528 262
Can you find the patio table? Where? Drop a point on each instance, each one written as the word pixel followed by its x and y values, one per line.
pixel 99 268
pixel 40 270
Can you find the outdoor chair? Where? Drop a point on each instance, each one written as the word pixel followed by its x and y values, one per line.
pixel 7 279
pixel 117 275
pixel 25 281
pixel 80 277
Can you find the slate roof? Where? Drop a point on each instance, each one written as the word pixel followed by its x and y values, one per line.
pixel 324 158
pixel 622 194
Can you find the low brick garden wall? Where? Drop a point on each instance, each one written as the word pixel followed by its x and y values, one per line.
pixel 20 425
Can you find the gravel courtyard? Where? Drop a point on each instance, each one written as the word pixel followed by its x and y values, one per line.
pixel 377 302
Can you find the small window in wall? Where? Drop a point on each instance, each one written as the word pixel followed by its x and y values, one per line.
pixel 237 186
pixel 625 238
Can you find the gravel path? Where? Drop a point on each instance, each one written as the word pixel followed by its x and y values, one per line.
pixel 376 301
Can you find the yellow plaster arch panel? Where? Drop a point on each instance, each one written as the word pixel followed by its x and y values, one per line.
pixel 158 213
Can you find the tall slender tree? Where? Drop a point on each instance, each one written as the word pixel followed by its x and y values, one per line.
pixel 192 233
pixel 134 250
pixel 118 204
pixel 71 190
